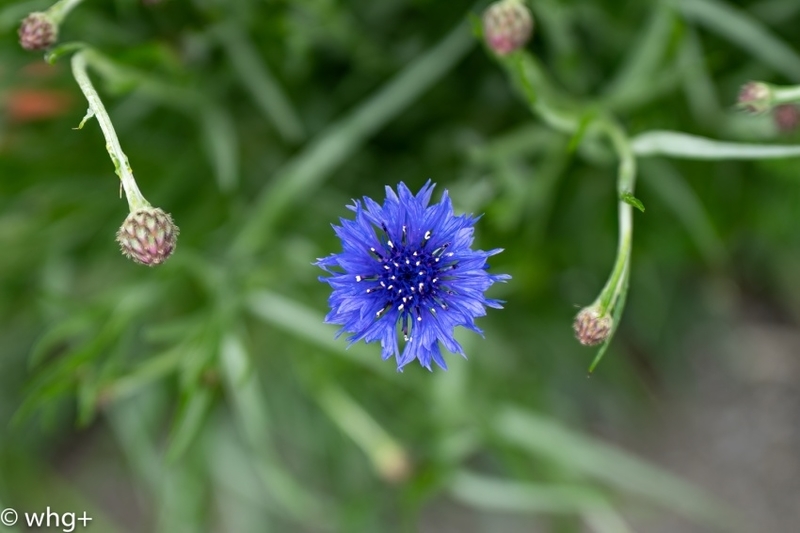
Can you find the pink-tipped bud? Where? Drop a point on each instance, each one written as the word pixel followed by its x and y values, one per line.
pixel 755 97
pixel 591 327
pixel 148 236
pixel 507 26
pixel 786 117
pixel 37 32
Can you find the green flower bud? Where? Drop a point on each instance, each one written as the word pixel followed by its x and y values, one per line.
pixel 37 32
pixel 591 327
pixel 148 236
pixel 507 26
pixel 755 97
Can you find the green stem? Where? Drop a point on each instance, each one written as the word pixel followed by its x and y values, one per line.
pixel 123 169
pixel 570 118
pixel 625 183
pixel 786 95
pixel 61 9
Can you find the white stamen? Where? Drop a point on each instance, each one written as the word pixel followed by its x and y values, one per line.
pixel 359 278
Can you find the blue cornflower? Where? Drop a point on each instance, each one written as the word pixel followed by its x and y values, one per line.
pixel 408 264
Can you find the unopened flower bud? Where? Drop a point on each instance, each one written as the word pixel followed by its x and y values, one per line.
pixel 37 32
pixel 591 327
pixel 786 117
pixel 148 236
pixel 755 97
pixel 507 26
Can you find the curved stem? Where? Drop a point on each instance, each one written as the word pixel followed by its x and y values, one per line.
pixel 61 9
pixel 123 169
pixel 573 119
pixel 625 183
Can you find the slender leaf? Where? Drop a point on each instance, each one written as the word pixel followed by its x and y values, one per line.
pixel 549 439
pixel 739 27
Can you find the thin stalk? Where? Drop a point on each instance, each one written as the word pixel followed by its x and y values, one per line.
pixel 786 95
pixel 626 180
pixel 136 200
pixel 61 9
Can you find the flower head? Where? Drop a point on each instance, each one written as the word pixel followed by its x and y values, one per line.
pixel 38 31
pixel 755 97
pixel 408 265
pixel 591 326
pixel 148 236
pixel 507 26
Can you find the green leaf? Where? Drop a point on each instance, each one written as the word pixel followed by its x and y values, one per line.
pixel 189 421
pixel 671 189
pixel 631 200
pixel 55 54
pixel 222 143
pixel 307 324
pixel 685 146
pixel 256 77
pixel 644 58
pixel 245 394
pixel 331 148
pixel 498 495
pixel 546 438
pixel 739 27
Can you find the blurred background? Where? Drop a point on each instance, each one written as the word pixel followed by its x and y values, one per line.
pixel 207 395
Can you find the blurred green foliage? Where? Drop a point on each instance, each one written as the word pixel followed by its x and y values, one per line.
pixel 208 395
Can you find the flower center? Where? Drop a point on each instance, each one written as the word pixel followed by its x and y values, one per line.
pixel 410 278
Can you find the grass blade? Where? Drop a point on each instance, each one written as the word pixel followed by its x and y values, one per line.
pixel 740 28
